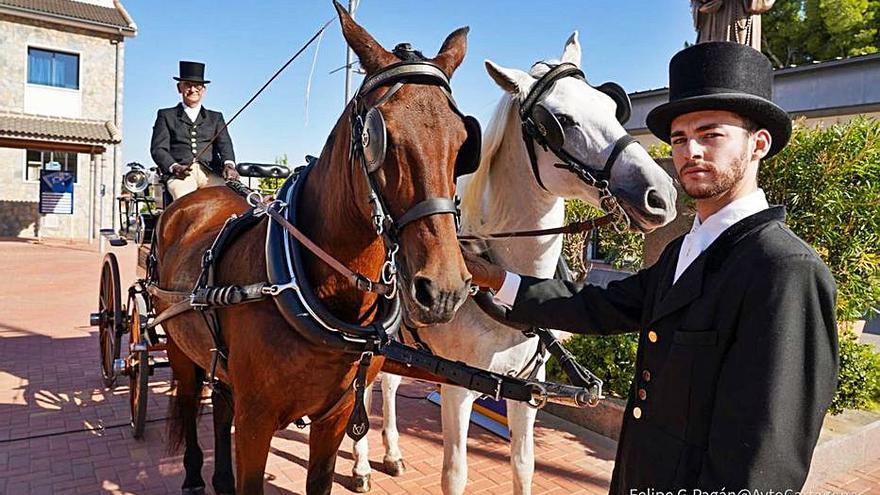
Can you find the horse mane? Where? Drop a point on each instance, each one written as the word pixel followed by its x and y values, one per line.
pixel 473 221
pixel 476 196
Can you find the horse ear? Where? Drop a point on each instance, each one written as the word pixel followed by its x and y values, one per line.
pixel 452 52
pixel 572 51
pixel 370 53
pixel 514 81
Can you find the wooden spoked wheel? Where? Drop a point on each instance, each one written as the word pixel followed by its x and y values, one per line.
pixel 138 365
pixel 111 318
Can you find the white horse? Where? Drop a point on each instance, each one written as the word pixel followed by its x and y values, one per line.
pixel 504 195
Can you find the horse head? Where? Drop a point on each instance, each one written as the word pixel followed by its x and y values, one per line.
pixel 585 123
pixel 425 141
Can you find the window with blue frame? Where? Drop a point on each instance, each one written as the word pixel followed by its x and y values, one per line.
pixel 51 68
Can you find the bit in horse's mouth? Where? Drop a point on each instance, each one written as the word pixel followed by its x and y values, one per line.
pixel 638 221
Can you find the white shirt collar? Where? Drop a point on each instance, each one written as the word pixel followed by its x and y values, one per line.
pixel 192 112
pixel 706 232
pixel 703 234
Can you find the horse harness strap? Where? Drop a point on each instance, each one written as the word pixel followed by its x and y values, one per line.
pixel 538 124
pixel 541 126
pixel 369 143
pixel 571 228
pixel 430 206
pixel 362 282
pixel 494 385
pixel 577 374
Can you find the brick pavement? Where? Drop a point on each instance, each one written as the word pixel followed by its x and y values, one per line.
pixel 62 433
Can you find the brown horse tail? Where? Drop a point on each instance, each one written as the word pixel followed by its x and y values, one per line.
pixel 184 408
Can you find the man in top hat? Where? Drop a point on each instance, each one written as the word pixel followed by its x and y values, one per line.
pixel 190 143
pixel 737 360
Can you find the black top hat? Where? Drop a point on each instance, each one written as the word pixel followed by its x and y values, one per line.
pixel 192 72
pixel 722 76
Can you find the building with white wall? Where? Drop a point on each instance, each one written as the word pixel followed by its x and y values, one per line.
pixel 61 87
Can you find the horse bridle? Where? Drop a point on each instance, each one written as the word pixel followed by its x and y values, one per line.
pixel 367 126
pixel 538 124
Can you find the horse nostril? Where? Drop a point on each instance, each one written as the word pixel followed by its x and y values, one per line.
pixel 655 200
pixel 425 293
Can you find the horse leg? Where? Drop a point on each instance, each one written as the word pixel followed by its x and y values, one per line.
pixel 457 404
pixel 253 434
pixel 521 422
pixel 183 415
pixel 324 441
pixel 360 473
pixel 223 480
pixel 393 460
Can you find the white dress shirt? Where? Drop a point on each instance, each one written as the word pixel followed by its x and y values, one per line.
pixel 192 112
pixel 701 236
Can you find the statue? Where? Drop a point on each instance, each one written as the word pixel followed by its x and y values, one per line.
pixel 730 20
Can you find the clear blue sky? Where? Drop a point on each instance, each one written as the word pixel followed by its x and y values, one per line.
pixel 243 43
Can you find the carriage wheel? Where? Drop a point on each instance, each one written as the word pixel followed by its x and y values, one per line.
pixel 139 367
pixel 110 318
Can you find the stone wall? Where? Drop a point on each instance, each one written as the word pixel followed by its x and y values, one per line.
pixel 19 201
pixel 97 63
pixel 19 218
pixel 100 90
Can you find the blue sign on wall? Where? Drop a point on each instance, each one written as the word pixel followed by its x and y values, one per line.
pixel 56 192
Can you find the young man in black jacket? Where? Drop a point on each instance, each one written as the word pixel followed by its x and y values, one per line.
pixel 182 133
pixel 737 360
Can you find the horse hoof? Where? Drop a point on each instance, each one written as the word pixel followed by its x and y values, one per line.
pixel 198 490
pixel 394 468
pixel 361 484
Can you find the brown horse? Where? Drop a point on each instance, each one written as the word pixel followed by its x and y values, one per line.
pixel 273 376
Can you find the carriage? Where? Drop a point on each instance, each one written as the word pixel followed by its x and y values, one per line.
pixel 139 208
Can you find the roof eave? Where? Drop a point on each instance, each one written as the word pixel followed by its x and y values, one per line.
pixel 58 139
pixel 129 31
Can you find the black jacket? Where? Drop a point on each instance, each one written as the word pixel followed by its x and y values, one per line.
pixel 737 361
pixel 177 139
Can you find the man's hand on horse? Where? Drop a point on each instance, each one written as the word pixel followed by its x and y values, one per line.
pixel 229 172
pixel 485 274
pixel 180 171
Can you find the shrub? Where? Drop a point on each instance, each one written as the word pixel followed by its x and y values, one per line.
pixel 859 385
pixel 625 251
pixel 829 181
pixel 612 359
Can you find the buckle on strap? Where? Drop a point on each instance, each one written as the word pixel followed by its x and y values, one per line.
pixel 275 289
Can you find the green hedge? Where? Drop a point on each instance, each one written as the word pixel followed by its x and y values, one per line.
pixel 859 386
pixel 829 181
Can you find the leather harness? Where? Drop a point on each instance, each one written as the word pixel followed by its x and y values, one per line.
pixel 302 309
pixel 536 129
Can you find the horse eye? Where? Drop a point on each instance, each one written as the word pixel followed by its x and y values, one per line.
pixel 565 120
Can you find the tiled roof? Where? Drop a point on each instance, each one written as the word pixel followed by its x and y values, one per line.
pixel 73 9
pixel 25 126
